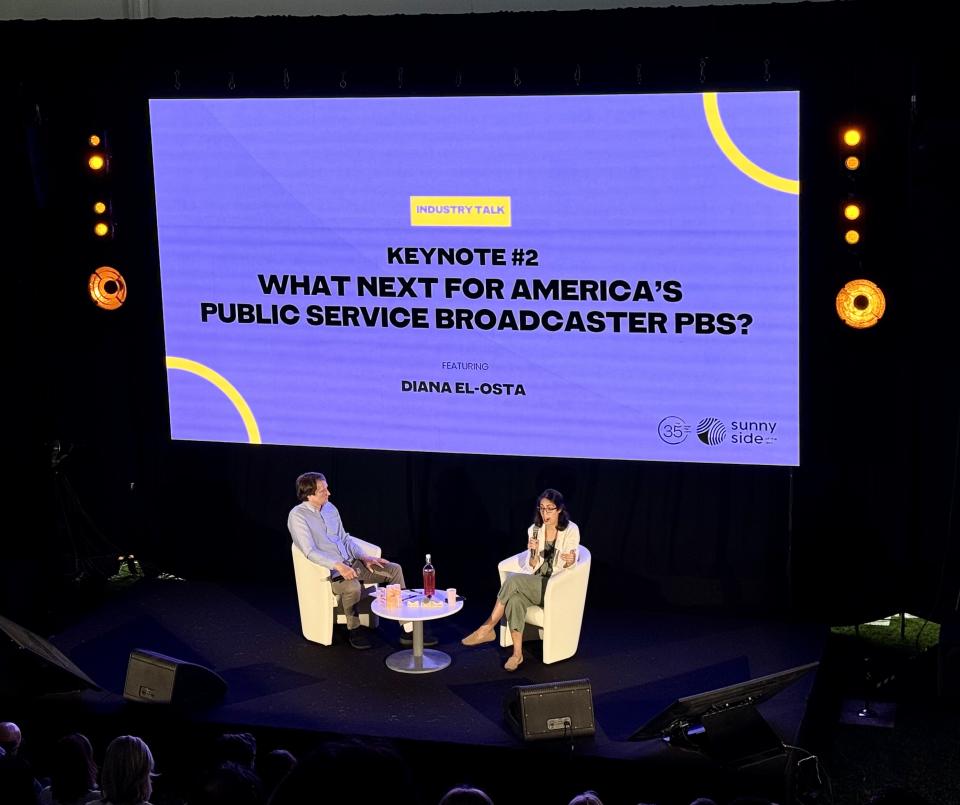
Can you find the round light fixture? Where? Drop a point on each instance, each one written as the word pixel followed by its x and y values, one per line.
pixel 107 288
pixel 852 137
pixel 861 304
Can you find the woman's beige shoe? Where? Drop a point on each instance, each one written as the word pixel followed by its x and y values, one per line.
pixel 482 635
pixel 513 663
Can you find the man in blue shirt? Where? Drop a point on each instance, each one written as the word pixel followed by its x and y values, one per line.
pixel 318 531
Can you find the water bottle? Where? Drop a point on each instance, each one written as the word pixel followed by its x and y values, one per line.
pixel 429 579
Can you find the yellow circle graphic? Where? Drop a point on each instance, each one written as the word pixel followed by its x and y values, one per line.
pixel 224 385
pixel 737 158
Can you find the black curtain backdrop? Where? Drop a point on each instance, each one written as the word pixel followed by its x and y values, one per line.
pixel 861 528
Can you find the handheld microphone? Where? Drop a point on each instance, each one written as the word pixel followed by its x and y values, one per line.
pixel 533 551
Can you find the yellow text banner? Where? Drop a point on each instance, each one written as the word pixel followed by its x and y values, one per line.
pixel 460 211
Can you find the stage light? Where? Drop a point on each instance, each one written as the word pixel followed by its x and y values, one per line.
pixel 97 162
pixel 851 211
pixel 94 140
pixel 860 304
pixel 852 137
pixel 852 237
pixel 101 229
pixel 851 163
pixel 99 207
pixel 107 288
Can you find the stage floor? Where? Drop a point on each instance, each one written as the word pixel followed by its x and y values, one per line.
pixel 636 662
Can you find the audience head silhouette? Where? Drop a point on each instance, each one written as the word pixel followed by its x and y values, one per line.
pixel 465 795
pixel 230 784
pixel 349 759
pixel 17 784
pixel 273 767
pixel 239 748
pixel 73 772
pixel 10 737
pixel 127 771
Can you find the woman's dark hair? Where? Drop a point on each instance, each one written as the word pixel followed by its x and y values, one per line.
pixel 307 484
pixel 563 519
pixel 73 772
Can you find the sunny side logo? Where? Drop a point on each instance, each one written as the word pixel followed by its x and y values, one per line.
pixel 712 431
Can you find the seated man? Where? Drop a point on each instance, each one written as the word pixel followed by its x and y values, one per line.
pixel 317 530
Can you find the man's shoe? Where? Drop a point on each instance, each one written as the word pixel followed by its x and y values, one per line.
pixel 358 639
pixel 406 640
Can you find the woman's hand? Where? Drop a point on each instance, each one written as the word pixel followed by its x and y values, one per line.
pixel 569 558
pixel 533 544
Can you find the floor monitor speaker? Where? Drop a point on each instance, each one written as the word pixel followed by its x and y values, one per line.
pixel 158 679
pixel 551 710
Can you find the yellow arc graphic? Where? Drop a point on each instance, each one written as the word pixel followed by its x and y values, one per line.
pixel 224 385
pixel 736 156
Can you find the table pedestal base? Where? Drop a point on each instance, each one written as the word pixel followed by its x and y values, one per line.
pixel 407 662
pixel 418 660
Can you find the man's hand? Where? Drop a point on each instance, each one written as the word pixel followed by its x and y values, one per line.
pixel 345 570
pixel 371 562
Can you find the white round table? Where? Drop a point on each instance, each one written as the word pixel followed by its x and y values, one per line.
pixel 417 660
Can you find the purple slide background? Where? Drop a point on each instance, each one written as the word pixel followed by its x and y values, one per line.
pixel 603 187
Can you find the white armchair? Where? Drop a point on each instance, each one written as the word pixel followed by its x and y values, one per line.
pixel 561 615
pixel 317 601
